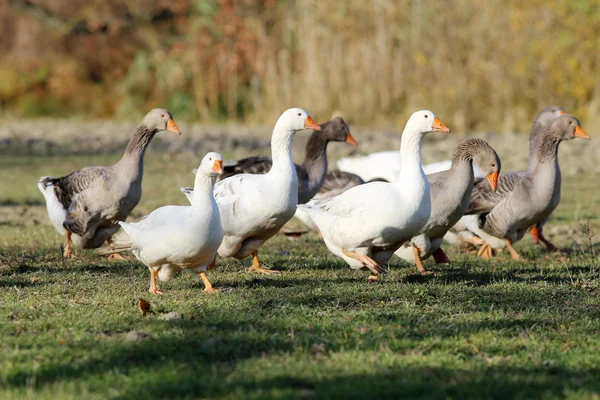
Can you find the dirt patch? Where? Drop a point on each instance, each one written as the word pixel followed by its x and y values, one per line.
pixel 54 136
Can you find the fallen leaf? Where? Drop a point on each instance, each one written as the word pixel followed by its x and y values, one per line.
pixel 144 306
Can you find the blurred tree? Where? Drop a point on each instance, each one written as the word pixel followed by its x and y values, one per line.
pixel 480 65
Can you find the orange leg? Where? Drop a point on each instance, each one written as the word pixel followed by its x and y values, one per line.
pixel 476 241
pixel 153 288
pixel 368 262
pixel 535 234
pixel 513 252
pixel 67 246
pixel 485 251
pixel 440 257
pixel 417 253
pixel 208 287
pixel 255 267
pixel 117 256
pixel 538 236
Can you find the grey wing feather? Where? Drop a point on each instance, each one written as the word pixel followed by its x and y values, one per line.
pixel 68 188
pixel 248 165
pixel 484 199
pixel 339 181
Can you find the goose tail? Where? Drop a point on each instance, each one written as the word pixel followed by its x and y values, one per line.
pixel 46 184
pixel 56 210
pixel 320 217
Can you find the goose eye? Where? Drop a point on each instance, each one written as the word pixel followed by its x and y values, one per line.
pixel 163 115
pixel 426 116
pixel 299 114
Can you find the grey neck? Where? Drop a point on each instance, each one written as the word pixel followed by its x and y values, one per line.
pixel 535 138
pixel 315 159
pixel 140 139
pixel 132 162
pixel 546 169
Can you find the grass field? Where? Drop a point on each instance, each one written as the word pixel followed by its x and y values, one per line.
pixel 474 329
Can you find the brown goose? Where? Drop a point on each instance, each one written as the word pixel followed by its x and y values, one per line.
pixel 311 174
pixel 86 205
pixel 450 196
pixel 502 220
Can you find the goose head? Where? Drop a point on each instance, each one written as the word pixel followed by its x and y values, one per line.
pixel 548 114
pixel 567 127
pixel 487 160
pixel 295 119
pixel 211 165
pixel 337 130
pixel 423 122
pixel 160 119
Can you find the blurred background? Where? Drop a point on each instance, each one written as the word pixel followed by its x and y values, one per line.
pixel 480 65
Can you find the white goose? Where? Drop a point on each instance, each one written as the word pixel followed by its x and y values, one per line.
pixel 366 224
pixel 173 238
pixel 254 207
pixel 386 165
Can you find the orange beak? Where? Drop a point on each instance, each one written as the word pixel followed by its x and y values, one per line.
pixel 561 112
pixel 493 180
pixel 580 133
pixel 311 124
pixel 438 126
pixel 171 126
pixel 350 139
pixel 217 166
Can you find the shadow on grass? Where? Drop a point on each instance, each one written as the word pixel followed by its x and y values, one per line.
pixel 516 273
pixel 217 350
pixel 283 282
pixel 76 268
pixel 417 382
pixel 468 272
pixel 20 284
pixel 200 362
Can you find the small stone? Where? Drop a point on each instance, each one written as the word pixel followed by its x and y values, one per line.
pixel 170 316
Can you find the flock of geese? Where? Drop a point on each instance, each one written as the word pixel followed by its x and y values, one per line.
pixel 234 209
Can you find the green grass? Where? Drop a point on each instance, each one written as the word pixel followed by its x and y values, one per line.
pixel 474 329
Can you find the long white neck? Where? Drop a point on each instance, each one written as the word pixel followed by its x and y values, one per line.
pixel 281 151
pixel 204 187
pixel 410 156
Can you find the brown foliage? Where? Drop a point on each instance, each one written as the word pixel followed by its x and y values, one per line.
pixel 478 65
